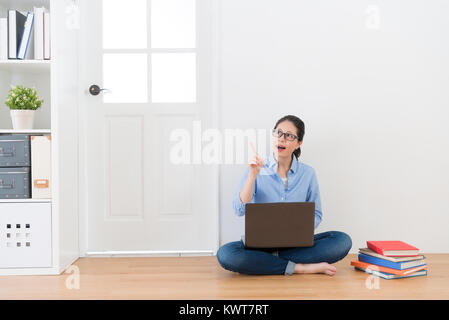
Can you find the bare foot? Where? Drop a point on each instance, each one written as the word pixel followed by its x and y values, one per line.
pixel 322 267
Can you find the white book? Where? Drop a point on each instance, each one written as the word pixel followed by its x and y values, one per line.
pixel 39 33
pixel 12 35
pixel 3 39
pixel 26 37
pixel 389 276
pixel 47 43
pixel 392 259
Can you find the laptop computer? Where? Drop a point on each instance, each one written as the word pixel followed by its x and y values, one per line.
pixel 279 224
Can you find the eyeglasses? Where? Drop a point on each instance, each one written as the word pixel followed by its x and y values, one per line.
pixel 288 136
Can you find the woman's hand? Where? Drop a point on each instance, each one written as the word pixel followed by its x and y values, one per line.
pixel 255 164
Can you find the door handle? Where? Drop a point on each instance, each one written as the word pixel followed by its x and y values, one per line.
pixel 96 90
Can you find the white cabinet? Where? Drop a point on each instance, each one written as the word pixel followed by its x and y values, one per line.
pixel 53 221
pixel 25 235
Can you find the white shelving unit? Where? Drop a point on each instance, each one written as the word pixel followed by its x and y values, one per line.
pixel 31 131
pixel 24 200
pixel 26 66
pixel 56 82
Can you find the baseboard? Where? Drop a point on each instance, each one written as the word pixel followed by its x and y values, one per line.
pixel 64 267
pixel 183 253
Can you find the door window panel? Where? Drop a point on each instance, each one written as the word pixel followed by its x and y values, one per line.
pixel 173 77
pixel 125 24
pixel 173 24
pixel 125 75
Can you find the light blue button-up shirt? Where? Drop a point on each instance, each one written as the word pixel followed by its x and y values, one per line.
pixel 302 186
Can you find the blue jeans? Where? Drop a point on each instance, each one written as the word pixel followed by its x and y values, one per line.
pixel 329 247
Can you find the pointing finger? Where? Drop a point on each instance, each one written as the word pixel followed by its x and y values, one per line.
pixel 253 148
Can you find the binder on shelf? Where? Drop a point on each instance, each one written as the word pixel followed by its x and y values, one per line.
pixel 16 24
pixel 39 33
pixel 47 44
pixel 26 39
pixel 41 167
pixel 3 39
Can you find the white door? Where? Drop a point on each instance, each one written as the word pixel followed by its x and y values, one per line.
pixel 154 57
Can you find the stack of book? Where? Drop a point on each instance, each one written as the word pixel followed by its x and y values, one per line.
pixel 25 35
pixel 391 260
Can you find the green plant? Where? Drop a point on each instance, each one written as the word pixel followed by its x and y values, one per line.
pixel 21 98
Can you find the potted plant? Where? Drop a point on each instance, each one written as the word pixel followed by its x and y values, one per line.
pixel 23 102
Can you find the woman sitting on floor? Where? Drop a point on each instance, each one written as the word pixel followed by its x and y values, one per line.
pixel 298 182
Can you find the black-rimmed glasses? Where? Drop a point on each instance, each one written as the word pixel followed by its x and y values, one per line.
pixel 288 136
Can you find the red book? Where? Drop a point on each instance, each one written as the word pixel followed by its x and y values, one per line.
pixel 393 248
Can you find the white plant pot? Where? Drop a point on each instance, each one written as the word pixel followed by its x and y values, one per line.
pixel 22 119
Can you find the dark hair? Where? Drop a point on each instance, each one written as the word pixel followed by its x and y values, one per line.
pixel 299 124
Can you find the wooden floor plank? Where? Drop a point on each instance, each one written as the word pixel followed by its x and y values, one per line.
pixel 203 278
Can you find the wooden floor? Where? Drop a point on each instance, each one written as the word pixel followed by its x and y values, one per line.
pixel 203 278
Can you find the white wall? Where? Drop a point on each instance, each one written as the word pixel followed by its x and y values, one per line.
pixel 375 103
